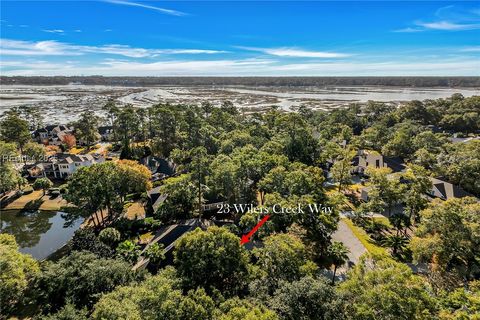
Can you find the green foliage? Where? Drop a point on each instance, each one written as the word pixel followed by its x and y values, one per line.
pixel 79 278
pixel 42 183
pixel 86 128
pixel 448 236
pixel 306 299
pixel 280 259
pixel 181 199
pixel 236 309
pixel 105 185
pixel 68 312
pixel 154 252
pixel 383 289
pixel 158 297
pixel 34 151
pixel 84 239
pixel 461 303
pixel 129 251
pixel 110 236
pixel 16 272
pixel 14 129
pixel 213 259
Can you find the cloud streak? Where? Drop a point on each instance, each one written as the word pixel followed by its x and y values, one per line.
pixel 448 26
pixel 298 53
pixel 146 6
pixel 55 48
pixel 244 67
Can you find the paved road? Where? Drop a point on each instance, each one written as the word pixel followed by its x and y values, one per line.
pixel 345 235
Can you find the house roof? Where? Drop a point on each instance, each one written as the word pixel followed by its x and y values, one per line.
pixel 156 198
pixel 105 129
pixel 446 190
pixel 159 165
pixel 394 163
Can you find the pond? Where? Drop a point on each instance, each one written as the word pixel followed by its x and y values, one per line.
pixel 39 233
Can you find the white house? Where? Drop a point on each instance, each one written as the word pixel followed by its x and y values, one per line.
pixel 52 134
pixel 63 165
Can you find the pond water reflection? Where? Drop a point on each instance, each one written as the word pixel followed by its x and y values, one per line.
pixel 39 233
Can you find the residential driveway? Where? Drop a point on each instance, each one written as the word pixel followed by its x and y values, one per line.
pixel 346 236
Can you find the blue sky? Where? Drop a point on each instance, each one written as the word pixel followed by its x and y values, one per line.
pixel 227 38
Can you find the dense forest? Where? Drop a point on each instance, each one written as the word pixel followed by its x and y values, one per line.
pixel 264 159
pixel 419 82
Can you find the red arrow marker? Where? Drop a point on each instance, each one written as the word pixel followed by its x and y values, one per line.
pixel 246 237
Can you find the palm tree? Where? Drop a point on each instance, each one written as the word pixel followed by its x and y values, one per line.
pixel 396 242
pixel 339 255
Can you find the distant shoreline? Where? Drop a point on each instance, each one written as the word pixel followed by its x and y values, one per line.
pixel 129 81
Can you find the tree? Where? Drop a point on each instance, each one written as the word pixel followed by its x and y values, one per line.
pixel 84 239
pixel 338 253
pixel 419 184
pixel 34 151
pixel 86 128
pixel 380 288
pixel 158 297
pixel 283 257
pixel 110 236
pixel 461 303
pixel 42 183
pixel 307 299
pixel 342 168
pixel 14 129
pixel 129 251
pixel 105 185
pixel 68 312
pixel 16 272
pixel 80 278
pixel 9 178
pixel 133 177
pixel 70 141
pixel 385 188
pixel 397 242
pixel 155 253
pixel 199 169
pixel 212 259
pixel 237 309
pixel 448 236
pixel 181 199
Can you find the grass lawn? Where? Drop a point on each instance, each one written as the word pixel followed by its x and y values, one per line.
pixel 135 211
pixel 365 238
pixel 36 200
pixel 383 220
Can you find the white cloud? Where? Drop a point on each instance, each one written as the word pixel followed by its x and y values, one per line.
pixel 145 6
pixel 294 52
pixel 55 48
pixel 247 67
pixel 471 49
pixel 409 30
pixel 448 26
pixel 54 30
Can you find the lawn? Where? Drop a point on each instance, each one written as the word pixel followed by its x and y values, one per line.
pixel 365 238
pixel 135 211
pixel 35 200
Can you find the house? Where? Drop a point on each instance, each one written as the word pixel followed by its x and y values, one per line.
pixel 106 133
pixel 62 165
pixel 52 134
pixel 368 159
pixel 155 199
pixel 160 168
pixel 446 190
